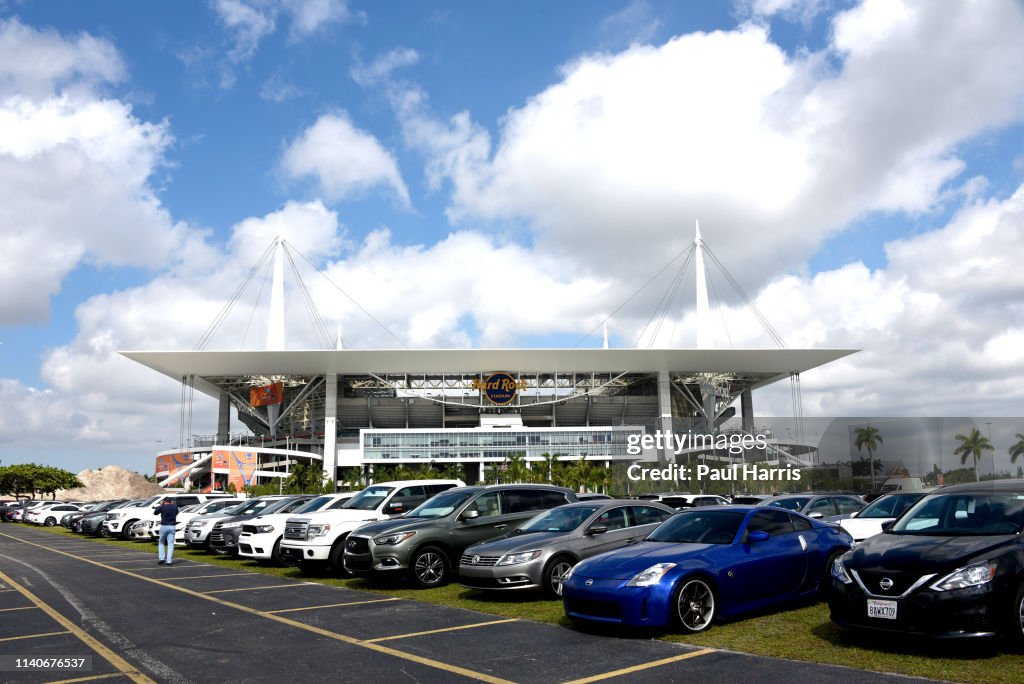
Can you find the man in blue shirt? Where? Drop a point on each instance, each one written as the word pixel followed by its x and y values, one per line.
pixel 168 513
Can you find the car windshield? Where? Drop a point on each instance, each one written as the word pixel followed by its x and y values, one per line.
pixel 314 504
pixel 699 526
pixel 558 519
pixel 964 514
pixel 793 503
pixel 440 505
pixel 369 499
pixel 891 506
pixel 279 506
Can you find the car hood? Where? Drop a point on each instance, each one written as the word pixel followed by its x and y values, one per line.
pixel 923 553
pixel 396 525
pixel 338 515
pixel 626 562
pixel 273 518
pixel 518 543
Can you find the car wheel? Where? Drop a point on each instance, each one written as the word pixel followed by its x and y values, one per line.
pixel 695 605
pixel 553 574
pixel 126 531
pixel 1017 620
pixel 336 559
pixel 826 574
pixel 429 567
pixel 275 555
pixel 49 522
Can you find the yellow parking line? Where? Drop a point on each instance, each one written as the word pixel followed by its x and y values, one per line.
pixel 438 631
pixel 429 662
pixel 334 605
pixel 33 636
pixel 109 675
pixel 271 586
pixel 117 661
pixel 132 560
pixel 223 574
pixel 644 666
pixel 8 610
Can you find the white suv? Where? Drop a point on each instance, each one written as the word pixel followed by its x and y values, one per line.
pixel 120 521
pixel 261 537
pixel 320 537
pixel 197 530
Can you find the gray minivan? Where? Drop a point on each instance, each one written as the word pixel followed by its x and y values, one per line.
pixel 427 542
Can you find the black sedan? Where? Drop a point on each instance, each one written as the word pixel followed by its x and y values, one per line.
pixel 951 566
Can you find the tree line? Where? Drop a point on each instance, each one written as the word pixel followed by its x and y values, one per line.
pixel 32 479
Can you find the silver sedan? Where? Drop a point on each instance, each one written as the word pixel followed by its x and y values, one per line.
pixel 539 552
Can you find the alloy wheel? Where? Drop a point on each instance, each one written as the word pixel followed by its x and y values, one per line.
pixel 429 568
pixel 696 605
pixel 556 576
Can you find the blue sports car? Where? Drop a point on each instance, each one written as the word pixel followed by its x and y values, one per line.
pixel 703 564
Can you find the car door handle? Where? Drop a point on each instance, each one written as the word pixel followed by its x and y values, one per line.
pixel 500 526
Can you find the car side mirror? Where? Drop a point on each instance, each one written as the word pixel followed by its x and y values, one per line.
pixel 757 536
pixel 597 529
pixel 470 515
pixel 887 525
pixel 816 515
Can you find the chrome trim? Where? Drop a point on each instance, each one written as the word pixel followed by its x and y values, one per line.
pixel 905 594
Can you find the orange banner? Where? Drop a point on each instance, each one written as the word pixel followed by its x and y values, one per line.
pixel 268 394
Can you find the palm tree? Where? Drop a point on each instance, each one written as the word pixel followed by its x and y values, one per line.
pixel 453 471
pixel 869 438
pixel 972 445
pixel 581 474
pixel 1017 449
pixel 550 465
pixel 516 470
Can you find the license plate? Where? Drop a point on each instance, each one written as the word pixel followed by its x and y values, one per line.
pixel 882 609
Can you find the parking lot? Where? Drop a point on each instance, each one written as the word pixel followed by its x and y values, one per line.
pixel 64 597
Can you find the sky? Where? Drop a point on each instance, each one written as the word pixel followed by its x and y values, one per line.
pixel 506 175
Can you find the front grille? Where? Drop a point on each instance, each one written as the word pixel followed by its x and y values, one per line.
pixel 296 530
pixel 216 537
pixel 358 564
pixel 604 609
pixel 900 582
pixel 479 561
pixel 359 545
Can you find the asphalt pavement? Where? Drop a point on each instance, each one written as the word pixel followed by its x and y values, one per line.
pixel 93 612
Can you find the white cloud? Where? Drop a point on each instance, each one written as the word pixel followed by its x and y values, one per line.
pixel 60 139
pixel 248 23
pixel 634 23
pixel 382 67
pixel 310 16
pixel 345 160
pixel 773 153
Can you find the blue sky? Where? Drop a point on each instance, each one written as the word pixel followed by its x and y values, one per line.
pixel 484 174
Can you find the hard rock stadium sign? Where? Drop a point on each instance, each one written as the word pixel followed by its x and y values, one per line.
pixel 499 388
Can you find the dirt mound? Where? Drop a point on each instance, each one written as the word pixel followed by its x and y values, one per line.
pixel 110 482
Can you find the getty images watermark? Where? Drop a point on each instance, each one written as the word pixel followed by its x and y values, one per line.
pixel 734 444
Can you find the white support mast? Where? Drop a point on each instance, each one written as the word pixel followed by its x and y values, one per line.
pixel 275 324
pixel 705 336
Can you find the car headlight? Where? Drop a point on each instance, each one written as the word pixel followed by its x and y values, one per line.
pixel 650 576
pixel 263 529
pixel 318 530
pixel 198 523
pixel 517 558
pixel 392 539
pixel 231 525
pixel 839 571
pixel 971 576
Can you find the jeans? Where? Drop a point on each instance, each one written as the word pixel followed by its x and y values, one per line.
pixel 166 537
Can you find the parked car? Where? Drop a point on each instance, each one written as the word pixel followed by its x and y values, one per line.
pixel 868 521
pixel 319 538
pixel 427 542
pixel 704 564
pixel 695 500
pixel 538 553
pixel 14 509
pixel 224 536
pixel 187 513
pixel 950 566
pixel 197 530
pixel 750 499
pixel 69 519
pixel 78 520
pixel 120 521
pixel 261 537
pixel 819 506
pixel 49 514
